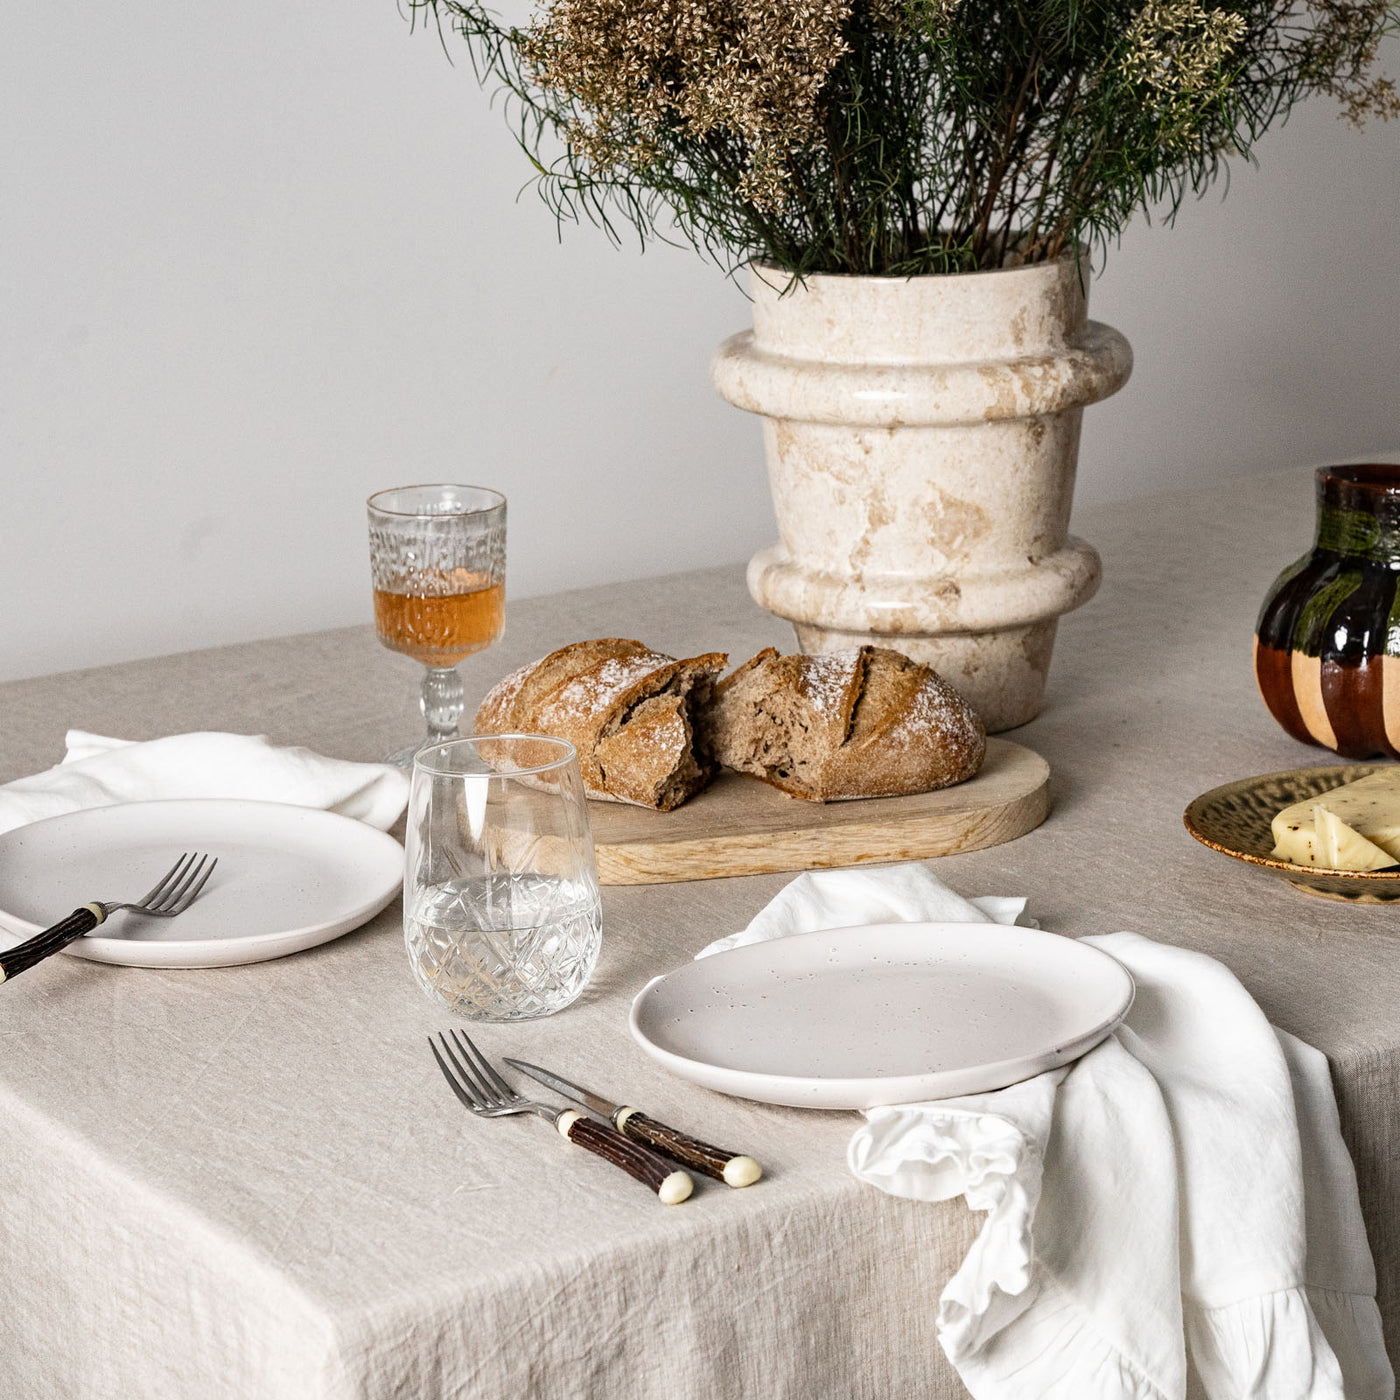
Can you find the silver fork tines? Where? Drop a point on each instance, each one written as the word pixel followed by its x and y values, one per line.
pixel 176 890
pixel 479 1088
pixel 476 1084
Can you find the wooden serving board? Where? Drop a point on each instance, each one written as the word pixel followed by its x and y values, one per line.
pixel 741 826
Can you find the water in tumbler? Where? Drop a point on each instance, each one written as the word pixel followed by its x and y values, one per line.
pixel 504 947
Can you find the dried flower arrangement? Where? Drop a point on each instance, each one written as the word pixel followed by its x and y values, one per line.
pixel 900 137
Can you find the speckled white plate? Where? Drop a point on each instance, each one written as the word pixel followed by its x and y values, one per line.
pixel 288 878
pixel 884 1013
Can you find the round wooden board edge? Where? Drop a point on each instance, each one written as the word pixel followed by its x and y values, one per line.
pixel 768 853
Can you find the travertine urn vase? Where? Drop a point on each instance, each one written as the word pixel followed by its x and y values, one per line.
pixel 922 436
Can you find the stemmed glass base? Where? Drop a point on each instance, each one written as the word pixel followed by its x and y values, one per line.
pixel 404 757
pixel 442 705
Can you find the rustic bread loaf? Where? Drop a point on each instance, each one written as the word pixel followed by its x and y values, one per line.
pixel 862 723
pixel 628 710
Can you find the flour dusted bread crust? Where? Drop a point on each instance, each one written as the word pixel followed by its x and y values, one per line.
pixel 629 711
pixel 650 729
pixel 862 723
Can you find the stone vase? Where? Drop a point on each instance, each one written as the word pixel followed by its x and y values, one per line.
pixel 922 436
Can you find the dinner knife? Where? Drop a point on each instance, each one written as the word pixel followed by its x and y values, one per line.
pixel 731 1168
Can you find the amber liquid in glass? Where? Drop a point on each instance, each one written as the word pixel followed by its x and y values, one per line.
pixel 440 628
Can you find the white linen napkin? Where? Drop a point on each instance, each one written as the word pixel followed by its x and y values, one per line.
pixel 97 772
pixel 1182 1187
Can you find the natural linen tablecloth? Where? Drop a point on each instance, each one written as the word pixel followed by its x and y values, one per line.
pixel 217 1183
pixel 1182 1187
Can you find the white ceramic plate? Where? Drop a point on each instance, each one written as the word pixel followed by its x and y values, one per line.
pixel 885 1013
pixel 288 878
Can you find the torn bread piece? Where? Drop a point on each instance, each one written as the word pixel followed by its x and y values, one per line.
pixel 628 710
pixel 862 723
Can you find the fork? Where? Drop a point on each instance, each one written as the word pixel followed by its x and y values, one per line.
pixel 484 1092
pixel 176 890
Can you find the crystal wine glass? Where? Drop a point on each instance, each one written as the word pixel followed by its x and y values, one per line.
pixel 438 560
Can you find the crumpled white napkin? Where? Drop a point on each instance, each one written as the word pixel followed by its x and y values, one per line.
pixel 97 772
pixel 1182 1185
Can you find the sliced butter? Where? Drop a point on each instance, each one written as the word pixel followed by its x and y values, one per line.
pixel 1363 832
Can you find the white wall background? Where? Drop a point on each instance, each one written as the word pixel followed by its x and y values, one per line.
pixel 256 262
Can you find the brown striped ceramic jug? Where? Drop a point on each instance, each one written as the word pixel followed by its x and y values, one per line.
pixel 1327 645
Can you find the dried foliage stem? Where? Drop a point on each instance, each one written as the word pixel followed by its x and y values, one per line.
pixel 899 137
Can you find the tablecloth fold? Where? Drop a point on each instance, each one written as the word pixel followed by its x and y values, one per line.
pixel 99 771
pixel 1182 1188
